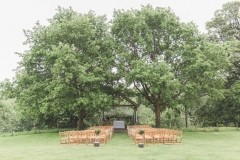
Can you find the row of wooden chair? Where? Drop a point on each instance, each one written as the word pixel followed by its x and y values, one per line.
pixel 155 135
pixel 85 137
pixel 108 128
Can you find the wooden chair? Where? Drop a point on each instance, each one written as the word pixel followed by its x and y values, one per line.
pixel 148 137
pixel 102 137
pixel 82 137
pixel 168 136
pixel 108 134
pixel 138 138
pixel 177 137
pixel 63 137
pixel 90 136
pixel 157 136
pixel 111 131
pixel 131 133
pixel 73 137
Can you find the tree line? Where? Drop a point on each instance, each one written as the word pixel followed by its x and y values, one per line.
pixel 78 63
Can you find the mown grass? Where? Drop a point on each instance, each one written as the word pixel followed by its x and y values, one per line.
pixel 197 145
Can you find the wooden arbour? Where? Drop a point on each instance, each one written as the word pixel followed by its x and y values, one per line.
pixel 131 104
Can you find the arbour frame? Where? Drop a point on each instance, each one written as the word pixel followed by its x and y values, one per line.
pixel 131 104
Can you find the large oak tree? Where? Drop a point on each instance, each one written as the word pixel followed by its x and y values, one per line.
pixel 67 67
pixel 167 61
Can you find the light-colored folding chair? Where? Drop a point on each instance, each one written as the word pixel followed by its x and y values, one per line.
pixel 148 137
pixel 63 137
pixel 168 136
pixel 138 138
pixel 82 137
pixel 177 137
pixel 157 136
pixel 73 137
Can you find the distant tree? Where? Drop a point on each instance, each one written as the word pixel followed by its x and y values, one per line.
pixel 224 28
pixel 9 119
pixel 6 89
pixel 165 60
pixel 225 25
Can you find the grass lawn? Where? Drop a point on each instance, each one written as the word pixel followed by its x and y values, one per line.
pixel 222 145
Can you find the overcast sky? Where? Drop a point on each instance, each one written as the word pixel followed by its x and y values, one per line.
pixel 16 15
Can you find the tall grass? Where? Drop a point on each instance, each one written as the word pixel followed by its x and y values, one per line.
pixel 210 129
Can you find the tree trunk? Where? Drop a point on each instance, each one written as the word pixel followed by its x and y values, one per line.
pixel 80 120
pixel 237 122
pixel 170 124
pixel 103 116
pixel 134 117
pixel 11 129
pixel 57 125
pixel 186 118
pixel 157 115
pixel 217 126
pixel 195 125
pixel 35 127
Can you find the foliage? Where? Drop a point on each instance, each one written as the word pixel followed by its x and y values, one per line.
pixel 224 29
pixel 224 26
pixel 172 117
pixel 67 68
pixel 6 88
pixel 167 62
pixel 9 119
pixel 77 63
pixel 145 115
pixel 119 112
pixel 12 120
pixel 218 112
pixel 141 131
pixel 97 131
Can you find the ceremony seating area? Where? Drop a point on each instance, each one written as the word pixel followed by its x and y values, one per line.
pixel 86 136
pixel 151 135
pixel 154 135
